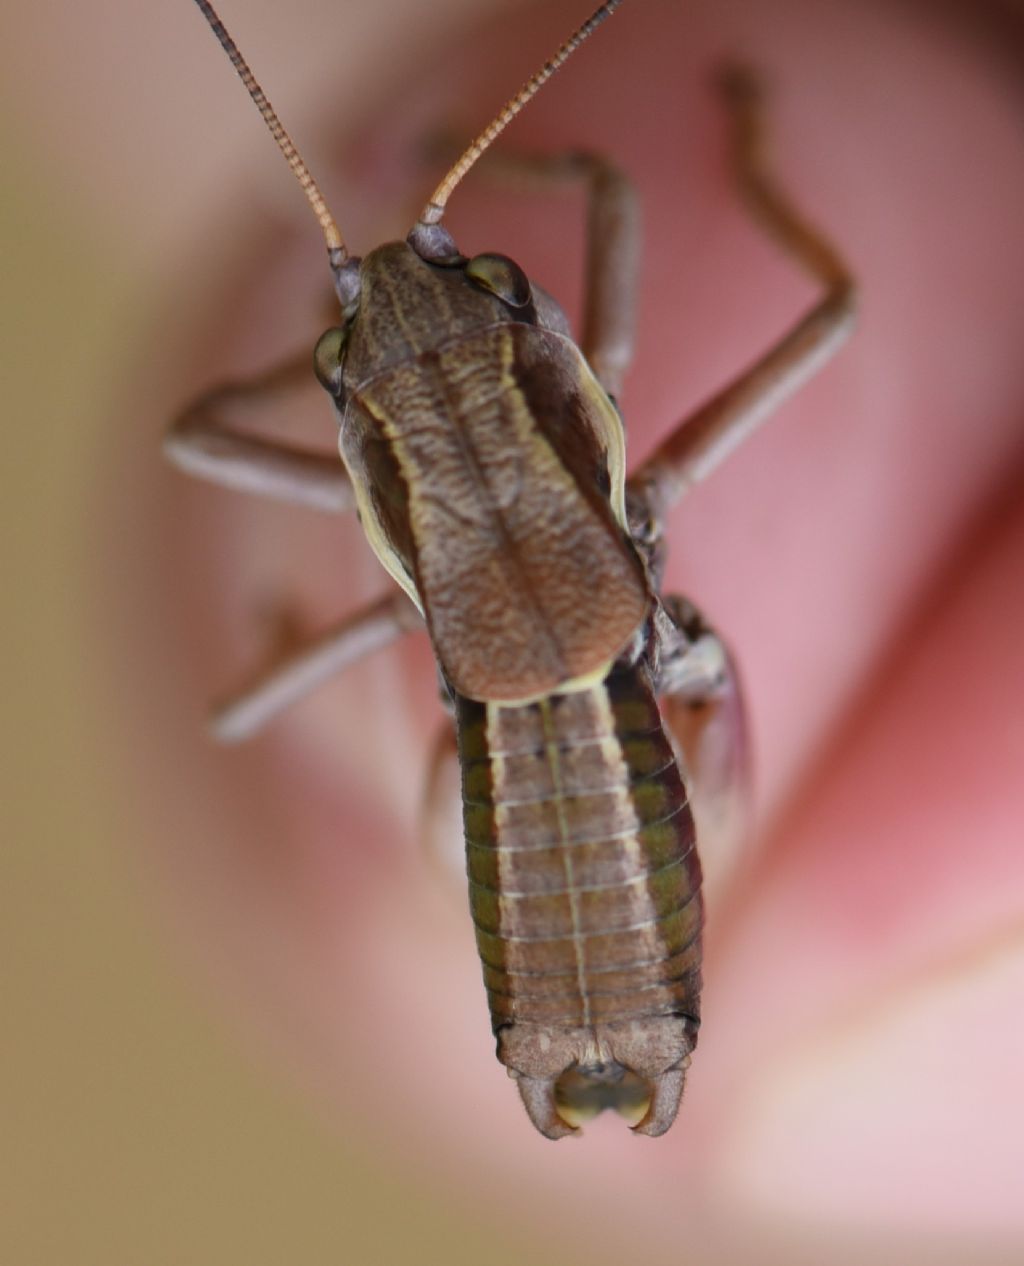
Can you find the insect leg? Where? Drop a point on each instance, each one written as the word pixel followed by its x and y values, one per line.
pixel 612 261
pixel 702 704
pixel 210 440
pixel 376 625
pixel 441 832
pixel 704 439
pixel 612 272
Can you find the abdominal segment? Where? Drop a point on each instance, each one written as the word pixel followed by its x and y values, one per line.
pixel 584 878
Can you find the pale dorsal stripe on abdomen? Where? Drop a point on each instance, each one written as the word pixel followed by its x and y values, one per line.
pixel 584 880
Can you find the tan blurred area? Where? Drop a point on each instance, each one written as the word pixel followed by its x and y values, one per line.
pixel 137 1126
pixel 134 1127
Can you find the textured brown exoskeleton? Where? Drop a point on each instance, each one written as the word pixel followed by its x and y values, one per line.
pixel 485 454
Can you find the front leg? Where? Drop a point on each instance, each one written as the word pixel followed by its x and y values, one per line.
pixel 211 439
pixel 612 253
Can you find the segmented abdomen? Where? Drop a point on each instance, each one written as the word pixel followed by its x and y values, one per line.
pixel 584 878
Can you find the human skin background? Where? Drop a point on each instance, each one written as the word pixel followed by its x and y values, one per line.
pixel 856 1081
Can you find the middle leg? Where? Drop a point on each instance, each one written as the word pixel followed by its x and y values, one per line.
pixel 704 439
pixel 298 674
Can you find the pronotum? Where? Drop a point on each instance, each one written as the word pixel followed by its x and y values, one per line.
pixel 599 723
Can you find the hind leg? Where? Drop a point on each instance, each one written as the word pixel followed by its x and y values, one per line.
pixel 441 831
pixel 702 703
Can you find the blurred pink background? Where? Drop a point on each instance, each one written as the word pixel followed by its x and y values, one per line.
pixel 247 1018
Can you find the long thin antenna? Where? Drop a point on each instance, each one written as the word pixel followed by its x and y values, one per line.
pixel 332 234
pixel 434 209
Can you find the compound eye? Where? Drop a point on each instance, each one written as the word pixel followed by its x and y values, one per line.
pixel 328 359
pixel 502 277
